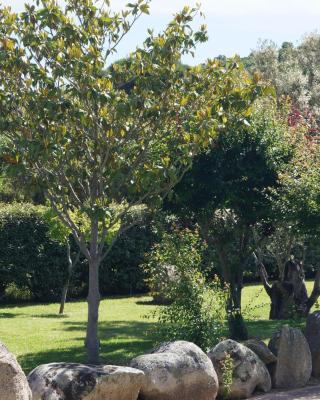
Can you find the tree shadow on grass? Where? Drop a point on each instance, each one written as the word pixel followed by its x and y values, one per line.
pixel 120 342
pixel 152 302
pixel 52 315
pixel 75 354
pixel 9 315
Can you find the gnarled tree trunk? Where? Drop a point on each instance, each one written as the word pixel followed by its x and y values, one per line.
pixel 289 295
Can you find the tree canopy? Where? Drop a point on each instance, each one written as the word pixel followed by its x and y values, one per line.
pixel 91 143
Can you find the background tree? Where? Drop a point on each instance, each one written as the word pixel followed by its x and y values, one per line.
pixel 228 192
pixel 294 71
pixel 61 233
pixel 84 139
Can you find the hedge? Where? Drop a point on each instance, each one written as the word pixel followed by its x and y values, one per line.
pixel 32 262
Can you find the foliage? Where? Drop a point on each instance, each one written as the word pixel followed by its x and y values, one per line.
pixel 223 177
pixel 230 188
pixel 294 71
pixel 28 256
pixel 197 308
pixel 295 205
pixel 300 197
pixel 82 137
pixel 227 375
pixel 168 257
pixel 121 272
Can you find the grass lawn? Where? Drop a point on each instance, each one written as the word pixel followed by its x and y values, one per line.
pixel 36 334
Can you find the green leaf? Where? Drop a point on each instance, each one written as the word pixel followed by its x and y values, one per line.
pixel 145 9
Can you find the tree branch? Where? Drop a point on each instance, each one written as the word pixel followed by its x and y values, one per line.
pixel 263 274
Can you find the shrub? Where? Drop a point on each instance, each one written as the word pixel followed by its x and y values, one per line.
pixel 227 375
pixel 29 259
pixel 197 308
pixel 168 258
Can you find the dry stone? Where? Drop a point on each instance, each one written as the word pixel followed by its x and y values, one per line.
pixel 294 364
pixel 13 382
pixel 249 372
pixel 261 350
pixel 63 381
pixel 313 338
pixel 177 371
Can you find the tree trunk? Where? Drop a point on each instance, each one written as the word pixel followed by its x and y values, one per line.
pixel 236 323
pixel 71 265
pixel 282 301
pixel 64 296
pixel 289 296
pixel 92 339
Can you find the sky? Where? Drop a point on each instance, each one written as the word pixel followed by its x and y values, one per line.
pixel 234 26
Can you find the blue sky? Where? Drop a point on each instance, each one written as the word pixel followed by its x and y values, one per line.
pixel 235 26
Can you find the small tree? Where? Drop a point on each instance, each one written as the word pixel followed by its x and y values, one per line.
pixel 92 136
pixel 62 234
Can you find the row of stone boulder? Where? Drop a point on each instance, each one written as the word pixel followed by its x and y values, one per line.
pixel 175 371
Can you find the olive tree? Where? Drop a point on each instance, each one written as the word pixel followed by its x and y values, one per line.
pixel 94 136
pixel 294 71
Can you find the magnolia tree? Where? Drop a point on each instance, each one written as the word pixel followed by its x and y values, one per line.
pixel 94 136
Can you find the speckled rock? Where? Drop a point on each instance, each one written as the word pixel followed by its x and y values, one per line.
pixel 261 350
pixel 63 381
pixel 176 371
pixel 294 364
pixel 249 372
pixel 13 382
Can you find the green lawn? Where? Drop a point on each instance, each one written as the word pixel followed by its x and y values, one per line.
pixel 37 334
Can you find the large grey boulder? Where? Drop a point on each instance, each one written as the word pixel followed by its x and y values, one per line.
pixel 249 372
pixel 294 364
pixel 261 350
pixel 177 371
pixel 313 338
pixel 13 382
pixel 63 381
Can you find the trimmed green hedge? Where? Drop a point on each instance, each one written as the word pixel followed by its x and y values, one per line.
pixel 31 262
pixel 29 259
